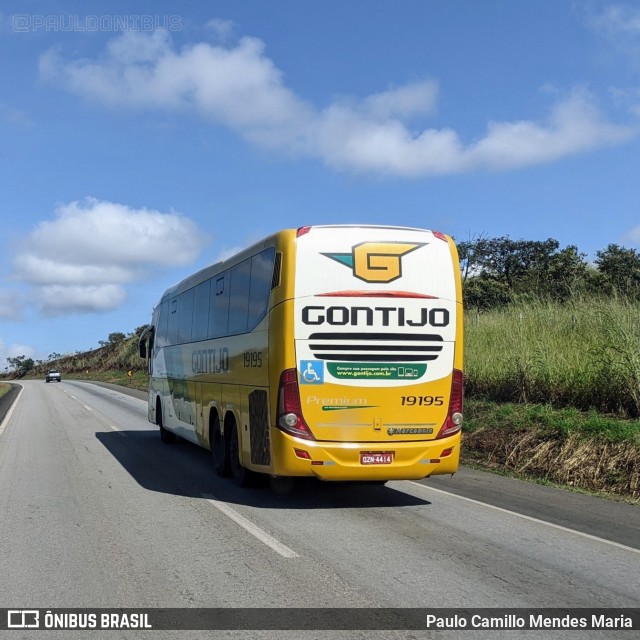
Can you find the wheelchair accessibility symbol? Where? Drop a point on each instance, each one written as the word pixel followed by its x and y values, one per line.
pixel 311 372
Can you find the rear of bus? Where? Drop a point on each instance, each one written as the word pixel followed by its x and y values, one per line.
pixel 374 390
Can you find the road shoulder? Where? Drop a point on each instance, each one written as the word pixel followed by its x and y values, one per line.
pixel 583 512
pixel 8 399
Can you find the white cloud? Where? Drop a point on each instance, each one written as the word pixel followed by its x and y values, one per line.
pixel 62 300
pixel 107 233
pixel 12 351
pixel 574 125
pixel 405 102
pixel 10 305
pixel 619 27
pixel 81 260
pixel 240 87
pixel 39 270
pixel 223 29
pixel 618 20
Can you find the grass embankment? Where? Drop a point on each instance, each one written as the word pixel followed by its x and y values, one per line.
pixel 112 363
pixel 553 392
pixel 139 379
pixel 4 388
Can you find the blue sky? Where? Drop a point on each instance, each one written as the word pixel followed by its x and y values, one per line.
pixel 141 141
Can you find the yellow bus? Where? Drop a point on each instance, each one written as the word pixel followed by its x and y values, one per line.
pixel 332 351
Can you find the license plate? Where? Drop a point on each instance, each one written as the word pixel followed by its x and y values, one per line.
pixel 376 457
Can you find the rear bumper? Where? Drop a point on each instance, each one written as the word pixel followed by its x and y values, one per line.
pixel 341 461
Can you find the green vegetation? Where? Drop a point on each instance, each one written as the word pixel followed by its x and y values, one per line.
pixel 583 353
pixel 550 422
pixel 585 451
pixel 4 388
pixel 499 271
pixel 552 362
pixel 553 392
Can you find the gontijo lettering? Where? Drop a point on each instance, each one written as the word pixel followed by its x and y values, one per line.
pixel 210 360
pixel 369 317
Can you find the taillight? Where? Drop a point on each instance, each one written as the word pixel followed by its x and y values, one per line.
pixel 453 422
pixel 303 231
pixel 289 408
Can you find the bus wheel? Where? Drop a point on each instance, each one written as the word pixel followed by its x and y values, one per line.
pixel 166 436
pixel 219 450
pixel 241 475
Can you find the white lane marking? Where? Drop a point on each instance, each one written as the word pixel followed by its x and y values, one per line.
pixel 5 421
pixel 252 528
pixel 88 408
pixel 529 518
pixel 117 430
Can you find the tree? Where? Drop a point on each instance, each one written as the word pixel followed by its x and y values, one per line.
pixel 115 338
pixel 497 269
pixel 620 270
pixel 563 274
pixel 21 364
pixel 505 260
pixel 484 294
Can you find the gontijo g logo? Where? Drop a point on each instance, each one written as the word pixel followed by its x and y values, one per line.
pixel 376 261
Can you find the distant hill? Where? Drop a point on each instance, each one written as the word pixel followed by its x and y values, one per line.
pixel 112 361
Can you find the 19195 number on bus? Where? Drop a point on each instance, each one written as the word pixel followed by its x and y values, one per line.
pixel 422 401
pixel 253 359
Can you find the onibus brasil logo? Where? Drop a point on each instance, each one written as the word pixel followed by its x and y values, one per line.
pixel 376 261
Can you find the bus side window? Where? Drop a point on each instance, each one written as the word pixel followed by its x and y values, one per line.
pixel 172 329
pixel 261 278
pixel 200 327
pixel 219 309
pixel 185 316
pixel 162 326
pixel 239 297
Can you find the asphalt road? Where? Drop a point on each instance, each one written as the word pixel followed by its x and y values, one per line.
pixel 96 512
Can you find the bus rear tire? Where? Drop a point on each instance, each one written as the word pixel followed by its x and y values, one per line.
pixel 219 450
pixel 241 475
pixel 168 437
